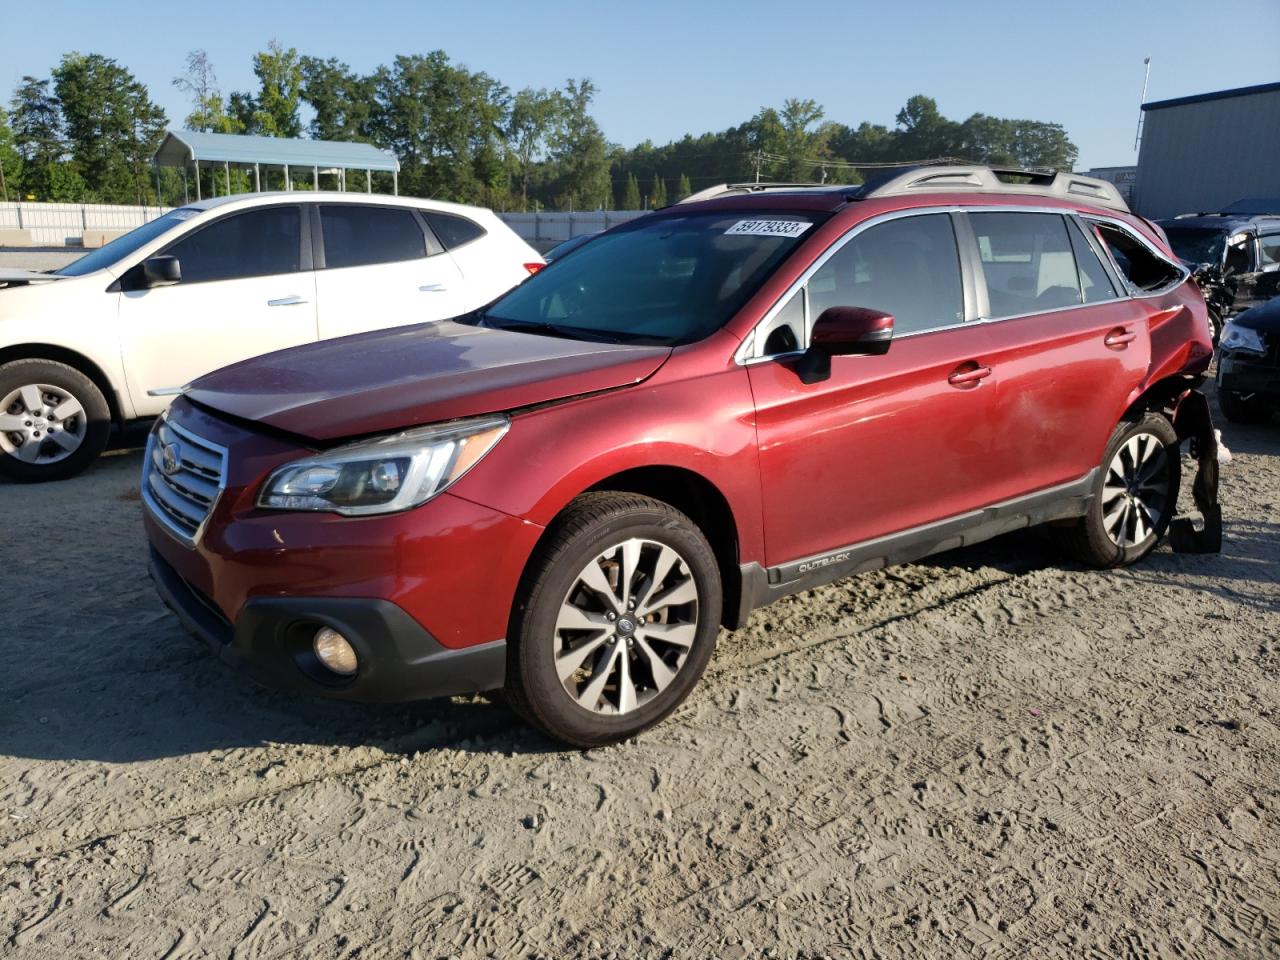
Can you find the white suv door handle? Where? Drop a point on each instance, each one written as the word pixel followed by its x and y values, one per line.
pixel 434 287
pixel 286 302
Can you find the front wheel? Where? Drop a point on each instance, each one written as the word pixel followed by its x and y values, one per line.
pixel 1134 496
pixel 616 622
pixel 54 421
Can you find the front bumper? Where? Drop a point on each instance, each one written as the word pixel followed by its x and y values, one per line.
pixel 1249 373
pixel 271 641
pixel 425 595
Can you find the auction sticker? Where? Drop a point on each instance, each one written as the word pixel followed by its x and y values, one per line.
pixel 768 228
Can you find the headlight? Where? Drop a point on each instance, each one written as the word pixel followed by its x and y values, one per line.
pixel 384 475
pixel 1241 339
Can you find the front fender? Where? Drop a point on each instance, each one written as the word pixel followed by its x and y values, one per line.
pixel 702 424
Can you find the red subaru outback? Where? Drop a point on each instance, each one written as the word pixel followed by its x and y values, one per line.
pixel 569 492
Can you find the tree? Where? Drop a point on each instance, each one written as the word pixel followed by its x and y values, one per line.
pixel 274 111
pixel 342 100
pixel 804 139
pixel 534 116
pixel 37 136
pixel 658 195
pixel 925 134
pixel 684 189
pixel 208 113
pixel 631 198
pixel 579 151
pixel 10 162
pixel 446 124
pixel 200 83
pixel 112 126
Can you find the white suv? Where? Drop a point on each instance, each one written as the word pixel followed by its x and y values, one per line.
pixel 111 336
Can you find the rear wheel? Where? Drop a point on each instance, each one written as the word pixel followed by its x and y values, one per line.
pixel 1134 496
pixel 617 619
pixel 54 421
pixel 1243 407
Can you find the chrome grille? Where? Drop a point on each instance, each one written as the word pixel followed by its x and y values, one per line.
pixel 182 477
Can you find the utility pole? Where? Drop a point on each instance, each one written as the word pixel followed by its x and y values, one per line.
pixel 758 158
pixel 1137 136
pixel 4 190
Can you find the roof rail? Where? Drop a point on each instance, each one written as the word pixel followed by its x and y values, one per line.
pixel 738 189
pixel 980 179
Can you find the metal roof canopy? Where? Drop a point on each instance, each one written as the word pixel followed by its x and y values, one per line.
pixel 183 148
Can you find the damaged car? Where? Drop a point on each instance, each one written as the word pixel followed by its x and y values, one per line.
pixel 1249 365
pixel 567 493
pixel 1234 255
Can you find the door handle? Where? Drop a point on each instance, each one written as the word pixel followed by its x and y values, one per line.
pixel 968 376
pixel 286 302
pixel 1119 338
pixel 434 287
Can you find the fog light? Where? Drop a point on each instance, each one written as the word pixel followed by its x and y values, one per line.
pixel 333 650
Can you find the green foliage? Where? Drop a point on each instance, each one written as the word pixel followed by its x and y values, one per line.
pixel 275 108
pixel 10 162
pixel 112 127
pixel 89 133
pixel 535 114
pixel 631 198
pixel 342 100
pixel 795 144
pixel 658 195
pixel 578 152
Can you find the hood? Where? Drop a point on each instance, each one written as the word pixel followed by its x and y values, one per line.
pixel 16 277
pixel 1264 317
pixel 407 376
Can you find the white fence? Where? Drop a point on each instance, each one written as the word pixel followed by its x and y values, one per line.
pixel 60 224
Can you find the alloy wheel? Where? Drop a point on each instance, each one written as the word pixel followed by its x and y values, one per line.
pixel 1135 493
pixel 625 627
pixel 41 424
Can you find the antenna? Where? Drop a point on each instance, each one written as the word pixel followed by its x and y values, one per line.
pixel 1137 137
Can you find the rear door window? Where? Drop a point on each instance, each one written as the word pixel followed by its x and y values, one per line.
pixel 454 231
pixel 1095 279
pixel 1028 262
pixel 909 267
pixel 356 235
pixel 256 243
pixel 1141 268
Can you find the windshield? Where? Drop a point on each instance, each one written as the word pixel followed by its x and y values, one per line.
pixel 662 280
pixel 1196 244
pixel 121 247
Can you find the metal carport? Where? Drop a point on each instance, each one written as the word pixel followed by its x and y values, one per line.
pixel 190 148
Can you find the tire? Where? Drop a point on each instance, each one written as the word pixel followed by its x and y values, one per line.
pixel 621 674
pixel 1239 408
pixel 35 444
pixel 1120 529
pixel 1215 326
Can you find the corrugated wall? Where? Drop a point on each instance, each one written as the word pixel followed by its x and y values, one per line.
pixel 1201 156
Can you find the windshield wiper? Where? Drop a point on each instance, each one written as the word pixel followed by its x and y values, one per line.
pixel 548 329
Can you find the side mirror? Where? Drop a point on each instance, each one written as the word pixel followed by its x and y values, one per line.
pixel 161 272
pixel 842 332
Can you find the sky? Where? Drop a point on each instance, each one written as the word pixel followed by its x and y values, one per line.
pixel 664 68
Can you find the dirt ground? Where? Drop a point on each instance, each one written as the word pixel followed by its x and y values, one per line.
pixel 991 754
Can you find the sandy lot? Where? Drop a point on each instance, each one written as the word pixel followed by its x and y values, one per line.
pixel 991 754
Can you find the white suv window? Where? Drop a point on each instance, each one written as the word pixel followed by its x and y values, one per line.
pixel 256 243
pixel 357 235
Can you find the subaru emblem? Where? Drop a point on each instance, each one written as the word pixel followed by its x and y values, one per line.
pixel 171 459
